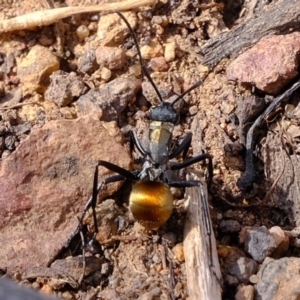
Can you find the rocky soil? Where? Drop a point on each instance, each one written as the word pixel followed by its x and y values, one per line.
pixel 70 92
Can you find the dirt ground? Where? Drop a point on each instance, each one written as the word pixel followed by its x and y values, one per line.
pixel 136 264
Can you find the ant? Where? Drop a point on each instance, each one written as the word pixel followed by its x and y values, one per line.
pixel 151 200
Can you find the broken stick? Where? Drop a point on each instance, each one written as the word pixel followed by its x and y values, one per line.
pixel 201 259
pixel 50 16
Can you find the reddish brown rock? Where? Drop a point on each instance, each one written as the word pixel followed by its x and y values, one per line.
pixel 270 64
pixel 44 186
pixel 158 64
pixel 110 57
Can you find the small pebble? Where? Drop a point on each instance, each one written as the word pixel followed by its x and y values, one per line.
pixel 277 233
pixel 296 232
pixel 47 289
pixel 10 141
pixel 36 285
pixel 158 64
pixel 105 74
pixel 67 295
pixel 112 58
pixel 5 154
pixel 230 226
pixel 254 279
pixel 160 20
pixel 135 70
pixel 296 243
pixel 156 258
pixel 178 252
pixel 245 292
pixel 35 69
pixel 193 110
pixel 244 268
pixel 153 49
pixel 87 62
pixel 219 216
pixel 158 268
pixel 170 52
pixel 82 32
pixel 178 290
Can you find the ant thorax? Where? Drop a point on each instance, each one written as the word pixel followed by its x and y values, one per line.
pixel 160 137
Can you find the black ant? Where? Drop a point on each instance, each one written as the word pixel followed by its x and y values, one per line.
pixel 151 200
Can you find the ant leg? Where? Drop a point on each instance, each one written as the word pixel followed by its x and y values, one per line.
pixel 194 160
pixel 134 141
pixel 83 256
pixel 183 147
pixel 122 175
pixel 93 245
pixel 93 199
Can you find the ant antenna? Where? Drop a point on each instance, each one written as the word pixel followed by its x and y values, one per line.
pixel 198 83
pixel 145 71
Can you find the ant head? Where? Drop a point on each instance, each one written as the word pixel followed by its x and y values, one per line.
pixel 164 112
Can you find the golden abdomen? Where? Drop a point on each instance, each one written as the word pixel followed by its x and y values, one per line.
pixel 151 203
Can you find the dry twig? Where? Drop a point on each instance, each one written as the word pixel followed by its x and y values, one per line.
pixel 201 259
pixel 47 17
pixel 20 105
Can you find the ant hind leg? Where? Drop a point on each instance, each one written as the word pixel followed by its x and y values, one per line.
pixel 122 174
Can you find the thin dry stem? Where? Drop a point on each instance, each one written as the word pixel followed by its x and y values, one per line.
pixel 47 17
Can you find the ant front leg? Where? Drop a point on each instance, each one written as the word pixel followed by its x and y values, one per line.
pixel 134 142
